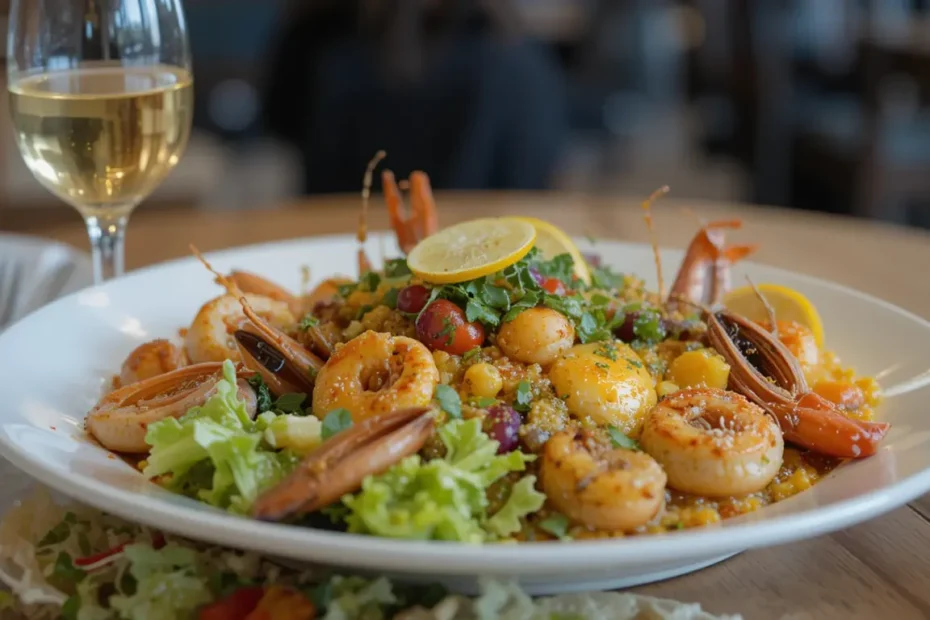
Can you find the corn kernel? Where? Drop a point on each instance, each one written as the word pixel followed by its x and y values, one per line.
pixel 483 380
pixel 665 388
pixel 700 368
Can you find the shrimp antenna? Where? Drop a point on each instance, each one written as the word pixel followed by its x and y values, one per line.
pixel 691 302
pixel 653 240
pixel 363 263
pixel 222 280
pixel 765 302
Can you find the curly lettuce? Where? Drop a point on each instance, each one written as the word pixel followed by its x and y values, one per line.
pixel 216 453
pixel 445 499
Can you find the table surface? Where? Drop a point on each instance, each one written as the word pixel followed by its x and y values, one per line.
pixel 879 568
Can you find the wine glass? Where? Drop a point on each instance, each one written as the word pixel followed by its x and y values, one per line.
pixel 101 97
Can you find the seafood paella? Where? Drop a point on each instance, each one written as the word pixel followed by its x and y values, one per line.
pixel 493 384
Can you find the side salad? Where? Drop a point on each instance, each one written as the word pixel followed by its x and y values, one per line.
pixel 69 561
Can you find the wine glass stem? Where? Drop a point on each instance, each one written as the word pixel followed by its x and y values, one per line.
pixel 106 242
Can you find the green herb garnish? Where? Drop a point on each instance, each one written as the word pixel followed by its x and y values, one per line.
pixel 449 401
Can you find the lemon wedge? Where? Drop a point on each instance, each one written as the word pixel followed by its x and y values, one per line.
pixel 471 249
pixel 788 304
pixel 552 241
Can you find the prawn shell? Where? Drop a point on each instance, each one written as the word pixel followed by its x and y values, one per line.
pixel 276 381
pixel 120 421
pixel 341 464
pixel 713 443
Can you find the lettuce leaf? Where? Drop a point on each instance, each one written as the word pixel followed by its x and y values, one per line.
pixel 444 499
pixel 220 435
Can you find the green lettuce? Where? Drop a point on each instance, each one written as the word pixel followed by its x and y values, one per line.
pixel 215 452
pixel 445 499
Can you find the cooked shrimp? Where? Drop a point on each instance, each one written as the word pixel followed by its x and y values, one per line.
pixel 713 442
pixel 376 373
pixel 121 418
pixel 210 337
pixel 606 383
pixel 599 486
pixel 536 336
pixel 324 292
pixel 151 359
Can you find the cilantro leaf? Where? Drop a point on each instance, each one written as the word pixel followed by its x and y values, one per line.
pixel 471 354
pixel 449 400
pixel 561 267
pixel 335 422
pixel 605 279
pixel 307 322
pixel 648 327
pixel 263 400
pixel 619 439
pixel 290 402
pixel 65 572
pixel 530 299
pixel 390 298
pixel 494 296
pixel 556 524
pixel 369 282
pixel 396 268
pixel 476 311
pixel 482 402
pixel 524 397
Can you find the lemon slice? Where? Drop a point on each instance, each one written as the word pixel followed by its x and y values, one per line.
pixel 471 249
pixel 552 241
pixel 788 304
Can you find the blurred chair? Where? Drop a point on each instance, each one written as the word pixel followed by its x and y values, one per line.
pixel 486 110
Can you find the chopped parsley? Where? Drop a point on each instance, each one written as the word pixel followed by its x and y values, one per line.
pixel 605 279
pixel 449 400
pixel 620 440
pixel 602 365
pixel 556 524
pixel 335 422
pixel 396 268
pixel 390 298
pixel 307 322
pixel 482 402
pixel 648 326
pixel 369 282
pixel 471 354
pixel 524 397
pixel 448 330
pixel 561 267
pixel 606 350
pixel 263 400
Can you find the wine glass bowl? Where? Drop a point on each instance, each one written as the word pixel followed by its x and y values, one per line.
pixel 101 100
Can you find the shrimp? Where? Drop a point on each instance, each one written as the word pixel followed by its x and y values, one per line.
pixel 601 487
pixel 210 337
pixel 375 373
pixel 713 442
pixel 799 340
pixel 151 359
pixel 763 370
pixel 121 419
pixel 341 464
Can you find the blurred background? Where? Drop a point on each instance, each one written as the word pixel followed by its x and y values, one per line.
pixel 811 104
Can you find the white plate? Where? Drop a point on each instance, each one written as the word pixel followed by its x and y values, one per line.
pixel 55 361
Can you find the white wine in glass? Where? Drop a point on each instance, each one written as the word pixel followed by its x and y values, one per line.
pixel 101 99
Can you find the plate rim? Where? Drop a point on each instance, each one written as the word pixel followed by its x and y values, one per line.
pixel 447 558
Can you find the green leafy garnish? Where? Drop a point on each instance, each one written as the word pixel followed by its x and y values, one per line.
pixel 471 354
pixel 605 279
pixel 369 282
pixel 648 327
pixel 482 401
pixel 307 322
pixel 445 498
pixel 65 572
pixel 449 400
pixel 215 452
pixel 619 439
pixel 561 267
pixel 607 350
pixel 396 268
pixel 556 524
pixel 335 422
pixel 290 402
pixel 524 397
pixel 390 298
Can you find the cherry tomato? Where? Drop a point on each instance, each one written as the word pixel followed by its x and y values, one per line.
pixel 236 606
pixel 412 298
pixel 442 326
pixel 553 286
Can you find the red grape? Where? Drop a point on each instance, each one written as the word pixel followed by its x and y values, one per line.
pixel 412 298
pixel 502 424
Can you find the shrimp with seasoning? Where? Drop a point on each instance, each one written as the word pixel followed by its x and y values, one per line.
pixel 375 373
pixel 714 443
pixel 601 487
pixel 121 419
pixel 210 336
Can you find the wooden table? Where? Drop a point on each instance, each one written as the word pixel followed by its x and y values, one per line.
pixel 878 569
